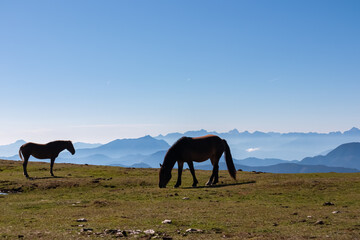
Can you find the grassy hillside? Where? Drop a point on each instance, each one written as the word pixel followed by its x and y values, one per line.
pixel 110 199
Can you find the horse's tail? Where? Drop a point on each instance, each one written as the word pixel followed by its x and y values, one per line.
pixel 20 154
pixel 229 161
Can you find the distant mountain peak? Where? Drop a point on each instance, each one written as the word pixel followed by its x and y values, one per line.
pixel 345 155
pixel 352 131
pixel 234 132
pixel 346 149
pixel 147 137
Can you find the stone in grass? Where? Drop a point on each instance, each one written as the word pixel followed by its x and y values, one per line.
pixel 149 231
pixel 86 230
pixel 134 232
pixel 81 220
pixel 328 204
pixel 335 212
pixel 193 230
pixel 185 198
pixel 121 233
pixel 167 221
pixel 110 231
pixel 319 222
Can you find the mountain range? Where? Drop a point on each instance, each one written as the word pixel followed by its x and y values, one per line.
pixel 287 146
pixel 150 151
pixel 123 147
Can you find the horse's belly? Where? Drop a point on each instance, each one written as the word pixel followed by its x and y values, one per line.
pixel 198 157
pixel 40 155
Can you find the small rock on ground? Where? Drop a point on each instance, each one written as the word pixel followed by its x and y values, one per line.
pixel 319 222
pixel 87 230
pixel 81 220
pixel 193 230
pixel 149 231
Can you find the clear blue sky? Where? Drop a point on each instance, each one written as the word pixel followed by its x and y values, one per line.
pixel 99 70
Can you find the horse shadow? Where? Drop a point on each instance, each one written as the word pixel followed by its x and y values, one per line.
pixel 221 185
pixel 39 178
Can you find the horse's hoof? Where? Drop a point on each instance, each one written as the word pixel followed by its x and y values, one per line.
pixel 176 186
pixel 194 186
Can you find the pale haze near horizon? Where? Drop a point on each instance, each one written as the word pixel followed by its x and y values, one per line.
pixel 96 71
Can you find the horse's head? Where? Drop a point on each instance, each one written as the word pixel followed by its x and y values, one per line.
pixel 164 176
pixel 70 147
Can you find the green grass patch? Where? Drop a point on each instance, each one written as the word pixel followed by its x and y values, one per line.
pixel 257 206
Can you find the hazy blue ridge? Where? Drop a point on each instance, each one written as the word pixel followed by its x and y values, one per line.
pixel 122 147
pixel 11 149
pixel 283 168
pixel 345 155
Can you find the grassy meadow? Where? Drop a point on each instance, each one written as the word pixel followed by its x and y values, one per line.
pixel 100 202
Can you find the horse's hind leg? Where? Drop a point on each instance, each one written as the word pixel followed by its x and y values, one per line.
pixel 214 178
pixel 211 179
pixel 25 162
pixel 192 170
pixel 216 173
pixel 180 168
pixel 51 166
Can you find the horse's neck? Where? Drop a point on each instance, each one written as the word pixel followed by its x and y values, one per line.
pixel 60 146
pixel 169 162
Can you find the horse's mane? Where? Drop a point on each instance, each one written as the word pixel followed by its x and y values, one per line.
pixel 169 159
pixel 182 139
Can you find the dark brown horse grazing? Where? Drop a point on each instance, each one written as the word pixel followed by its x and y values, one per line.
pixel 44 151
pixel 191 150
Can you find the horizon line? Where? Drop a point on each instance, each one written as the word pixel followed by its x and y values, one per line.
pixel 207 131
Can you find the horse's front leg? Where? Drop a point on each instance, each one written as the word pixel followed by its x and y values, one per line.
pixel 51 166
pixel 180 168
pixel 192 170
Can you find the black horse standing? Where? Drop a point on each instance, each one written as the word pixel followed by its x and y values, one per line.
pixel 44 151
pixel 197 149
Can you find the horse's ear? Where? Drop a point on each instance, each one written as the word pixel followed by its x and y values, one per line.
pixel 160 165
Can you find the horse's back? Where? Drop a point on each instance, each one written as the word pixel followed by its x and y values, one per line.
pixel 208 138
pixel 31 145
pixel 40 151
pixel 208 141
pixel 199 149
